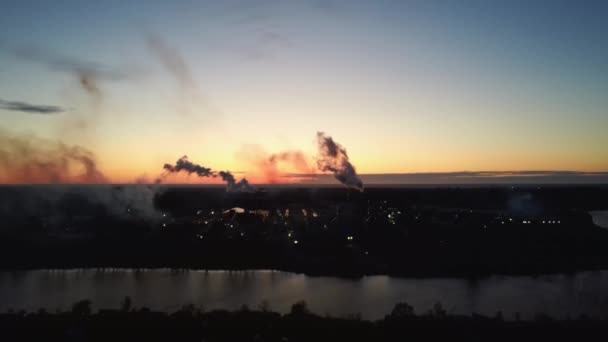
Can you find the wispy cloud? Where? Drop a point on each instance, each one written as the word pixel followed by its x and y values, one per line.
pixel 173 61
pixel 89 74
pixel 24 107
pixel 467 178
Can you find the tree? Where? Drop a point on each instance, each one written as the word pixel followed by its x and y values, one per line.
pixel 438 311
pixel 402 310
pixel 300 308
pixel 82 308
pixel 188 310
pixel 264 306
pixel 126 304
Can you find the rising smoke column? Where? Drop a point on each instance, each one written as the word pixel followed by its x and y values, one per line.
pixel 333 157
pixel 183 164
pixel 232 185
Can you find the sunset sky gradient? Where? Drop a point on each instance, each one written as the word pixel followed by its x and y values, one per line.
pixel 405 86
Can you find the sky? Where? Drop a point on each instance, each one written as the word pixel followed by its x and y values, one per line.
pixel 407 87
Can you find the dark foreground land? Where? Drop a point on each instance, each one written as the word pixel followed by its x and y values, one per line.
pixel 193 324
pixel 330 231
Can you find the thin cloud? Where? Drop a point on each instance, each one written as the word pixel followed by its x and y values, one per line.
pixel 88 74
pixel 467 178
pixel 29 108
pixel 173 61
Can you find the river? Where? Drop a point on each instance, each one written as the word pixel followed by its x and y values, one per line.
pixel 600 218
pixel 372 296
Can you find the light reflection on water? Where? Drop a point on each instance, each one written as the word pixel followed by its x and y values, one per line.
pixel 600 218
pixel 373 297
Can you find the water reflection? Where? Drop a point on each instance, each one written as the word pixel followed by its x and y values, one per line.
pixel 600 218
pixel 373 297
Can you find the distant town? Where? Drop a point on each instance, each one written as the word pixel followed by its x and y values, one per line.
pixel 318 231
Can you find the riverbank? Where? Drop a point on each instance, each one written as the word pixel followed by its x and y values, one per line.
pixel 191 323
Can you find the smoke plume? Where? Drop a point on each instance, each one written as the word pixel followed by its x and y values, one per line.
pixel 333 157
pixel 295 158
pixel 191 97
pixel 28 159
pixel 269 165
pixel 183 164
pixel 88 74
pixel 233 185
pixel 173 61
pixel 128 202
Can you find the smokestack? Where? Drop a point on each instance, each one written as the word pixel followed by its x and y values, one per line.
pixel 333 157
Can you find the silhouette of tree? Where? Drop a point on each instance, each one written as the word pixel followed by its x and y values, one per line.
pixel 264 306
pixel 126 304
pixel 438 311
pixel 188 310
pixel 82 308
pixel 300 308
pixel 354 317
pixel 542 317
pixel 402 310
